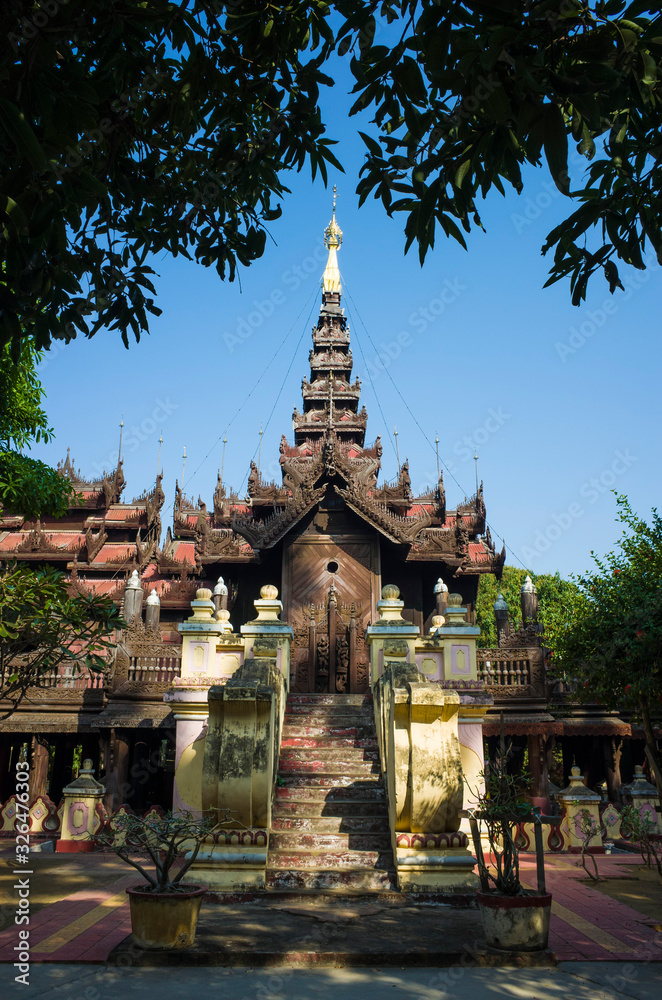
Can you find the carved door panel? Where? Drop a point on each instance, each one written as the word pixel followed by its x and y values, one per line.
pixel 330 589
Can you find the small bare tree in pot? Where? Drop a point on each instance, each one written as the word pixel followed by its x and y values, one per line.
pixel 514 918
pixel 164 911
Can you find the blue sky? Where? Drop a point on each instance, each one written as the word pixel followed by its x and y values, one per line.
pixel 561 403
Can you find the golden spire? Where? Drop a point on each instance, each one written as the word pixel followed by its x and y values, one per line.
pixel 332 240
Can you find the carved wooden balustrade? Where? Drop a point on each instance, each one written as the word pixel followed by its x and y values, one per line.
pixel 69 676
pixel 513 674
pixel 155 662
pixel 144 663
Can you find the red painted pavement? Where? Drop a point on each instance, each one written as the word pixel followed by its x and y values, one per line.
pixel 608 930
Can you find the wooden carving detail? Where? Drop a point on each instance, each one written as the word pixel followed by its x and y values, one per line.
pixel 329 648
pixel 397 528
pixel 264 534
pixel 94 542
pixel 37 541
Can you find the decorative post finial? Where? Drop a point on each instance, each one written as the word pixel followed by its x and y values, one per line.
pixel 397 450
pixel 332 241
pixel 259 452
pixel 183 465
pixel 158 461
pixel 119 455
pixel 225 441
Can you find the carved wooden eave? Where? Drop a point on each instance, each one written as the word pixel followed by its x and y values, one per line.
pixel 38 542
pixel 180 591
pixel 154 501
pixel 401 530
pixel 145 551
pixel 221 544
pixel 165 559
pixel 474 507
pixel 526 636
pixel 94 542
pixel 320 389
pixel 183 509
pixel 266 533
pixel 435 543
pixel 223 501
pixel 265 493
pixel 397 494
pixel 100 492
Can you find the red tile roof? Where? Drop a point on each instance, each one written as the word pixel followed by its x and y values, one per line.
pixel 66 540
pixel 478 553
pixel 115 552
pixel 417 509
pixel 184 552
pixel 116 513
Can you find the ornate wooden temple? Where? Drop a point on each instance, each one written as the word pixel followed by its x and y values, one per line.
pixel 328 536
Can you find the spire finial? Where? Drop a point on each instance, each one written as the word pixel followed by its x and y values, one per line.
pixel 332 241
pixel 119 456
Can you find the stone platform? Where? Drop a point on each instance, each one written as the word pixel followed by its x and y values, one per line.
pixel 327 932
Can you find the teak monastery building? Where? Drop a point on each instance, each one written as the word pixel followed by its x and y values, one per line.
pixel 329 536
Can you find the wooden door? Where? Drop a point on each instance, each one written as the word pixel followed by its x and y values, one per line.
pixel 330 591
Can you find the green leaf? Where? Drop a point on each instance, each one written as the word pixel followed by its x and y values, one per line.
pixel 461 173
pixel 555 141
pixel 21 134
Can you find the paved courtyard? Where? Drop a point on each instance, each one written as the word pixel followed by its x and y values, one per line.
pixel 80 913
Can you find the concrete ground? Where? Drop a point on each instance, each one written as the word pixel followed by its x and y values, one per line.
pixel 568 981
pixel 86 918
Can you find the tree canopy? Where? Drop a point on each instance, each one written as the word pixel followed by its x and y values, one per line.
pixel 27 485
pixel 554 595
pixel 611 637
pixel 129 130
pixel 43 625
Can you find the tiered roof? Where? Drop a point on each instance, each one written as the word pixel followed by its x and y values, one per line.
pixel 103 539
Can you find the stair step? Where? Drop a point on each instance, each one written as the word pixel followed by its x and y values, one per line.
pixel 325 741
pixel 328 712
pixel 330 828
pixel 296 789
pixel 296 841
pixel 333 730
pixel 350 753
pixel 328 768
pixel 329 824
pixel 330 810
pixel 295 859
pixel 329 699
pixel 331 880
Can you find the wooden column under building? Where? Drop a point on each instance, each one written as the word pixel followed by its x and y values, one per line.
pixel 117 783
pixel 612 748
pixel 38 766
pixel 539 783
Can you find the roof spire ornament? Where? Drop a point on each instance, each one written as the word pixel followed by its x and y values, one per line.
pixel 332 241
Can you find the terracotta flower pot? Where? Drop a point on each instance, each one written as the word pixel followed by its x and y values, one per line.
pixel 165 919
pixel 515 923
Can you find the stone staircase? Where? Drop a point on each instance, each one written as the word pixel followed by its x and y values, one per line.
pixel 330 828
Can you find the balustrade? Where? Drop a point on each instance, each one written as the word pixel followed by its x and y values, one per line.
pixel 497 670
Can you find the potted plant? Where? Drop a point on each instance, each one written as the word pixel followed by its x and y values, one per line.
pixel 514 918
pixel 164 911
